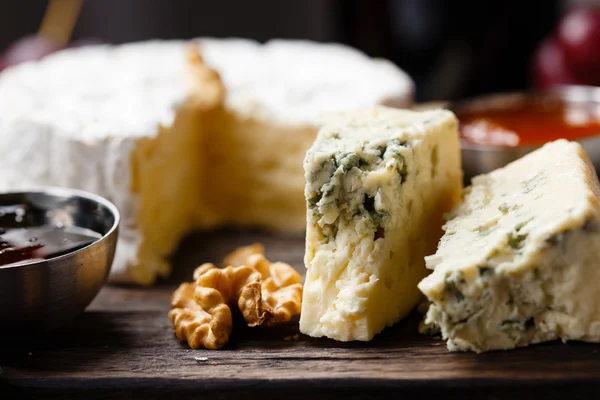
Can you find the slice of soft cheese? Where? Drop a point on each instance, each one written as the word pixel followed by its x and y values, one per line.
pixel 378 183
pixel 519 261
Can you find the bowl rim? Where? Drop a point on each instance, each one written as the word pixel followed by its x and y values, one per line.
pixel 570 93
pixel 58 191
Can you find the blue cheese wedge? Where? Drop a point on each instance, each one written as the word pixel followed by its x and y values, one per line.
pixel 519 261
pixel 378 183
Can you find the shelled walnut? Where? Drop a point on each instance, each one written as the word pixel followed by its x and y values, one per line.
pixel 266 293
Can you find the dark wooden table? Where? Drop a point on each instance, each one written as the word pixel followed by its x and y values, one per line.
pixel 123 346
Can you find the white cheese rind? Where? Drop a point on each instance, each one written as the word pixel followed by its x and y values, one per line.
pixel 76 117
pixel 378 183
pixel 518 262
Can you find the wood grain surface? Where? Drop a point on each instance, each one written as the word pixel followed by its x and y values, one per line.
pixel 123 346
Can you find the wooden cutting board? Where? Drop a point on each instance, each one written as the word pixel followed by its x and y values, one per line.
pixel 123 346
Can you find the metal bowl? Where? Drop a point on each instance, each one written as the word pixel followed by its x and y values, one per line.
pixel 42 295
pixel 480 159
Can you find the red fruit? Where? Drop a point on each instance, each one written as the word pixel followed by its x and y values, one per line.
pixel 29 48
pixel 578 35
pixel 549 66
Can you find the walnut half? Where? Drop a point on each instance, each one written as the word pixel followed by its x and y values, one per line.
pixel 204 320
pixel 266 293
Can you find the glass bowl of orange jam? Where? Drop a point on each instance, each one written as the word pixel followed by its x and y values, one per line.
pixel 497 129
